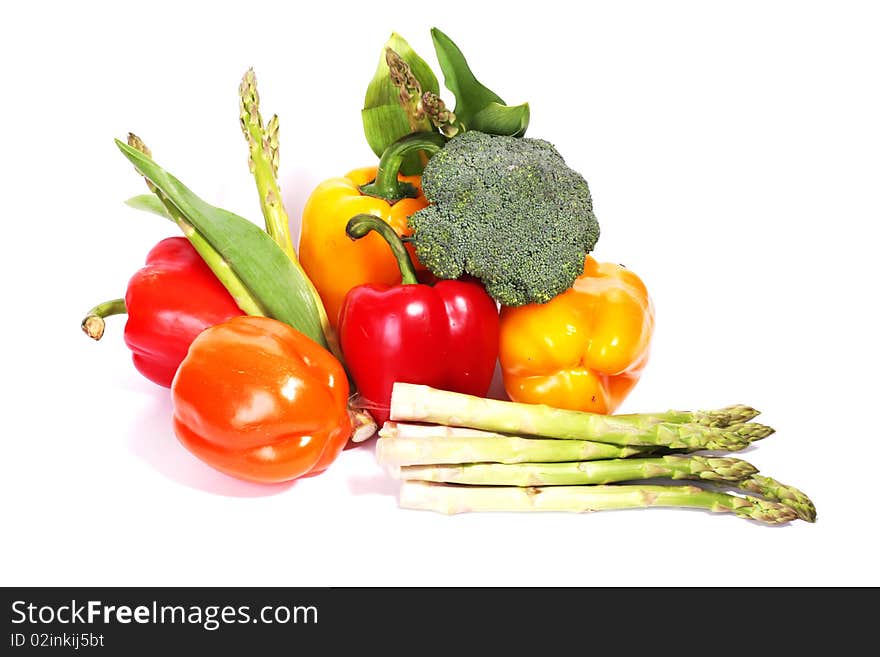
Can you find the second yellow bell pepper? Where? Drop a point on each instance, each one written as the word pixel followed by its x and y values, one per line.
pixel 584 349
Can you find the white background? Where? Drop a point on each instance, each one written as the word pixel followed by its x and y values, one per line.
pixel 732 150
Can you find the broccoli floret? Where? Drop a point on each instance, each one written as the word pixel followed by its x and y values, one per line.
pixel 507 211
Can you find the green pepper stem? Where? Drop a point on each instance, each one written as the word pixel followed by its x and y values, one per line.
pixel 387 186
pixel 359 225
pixel 93 324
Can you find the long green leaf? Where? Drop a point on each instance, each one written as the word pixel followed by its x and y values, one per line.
pixel 496 119
pixel 258 262
pixel 476 106
pixel 385 119
pixel 149 203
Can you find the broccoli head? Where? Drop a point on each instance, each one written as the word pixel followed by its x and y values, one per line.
pixel 507 211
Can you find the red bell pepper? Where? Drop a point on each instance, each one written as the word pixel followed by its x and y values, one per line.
pixel 443 335
pixel 169 301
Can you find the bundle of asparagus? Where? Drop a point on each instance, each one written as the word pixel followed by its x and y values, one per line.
pixel 467 453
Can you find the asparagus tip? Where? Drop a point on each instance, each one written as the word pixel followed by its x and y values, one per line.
pixel 772 513
pixel 721 468
pixel 249 103
pixel 138 144
pixel 789 496
pixel 751 430
pixel 727 416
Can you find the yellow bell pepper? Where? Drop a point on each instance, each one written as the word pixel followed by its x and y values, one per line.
pixel 333 261
pixel 586 348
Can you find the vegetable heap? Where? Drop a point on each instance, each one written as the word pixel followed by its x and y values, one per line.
pixel 467 246
pixel 474 454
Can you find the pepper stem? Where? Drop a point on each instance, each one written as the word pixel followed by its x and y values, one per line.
pixel 359 225
pixel 93 324
pixel 386 185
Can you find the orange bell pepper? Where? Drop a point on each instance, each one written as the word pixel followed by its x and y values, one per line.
pixel 333 261
pixel 258 400
pixel 585 349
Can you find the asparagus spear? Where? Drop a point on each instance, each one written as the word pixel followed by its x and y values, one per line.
pixel 787 495
pixel 425 404
pixel 719 417
pixel 263 160
pixel 585 472
pixel 451 498
pixel 394 452
pixel 407 430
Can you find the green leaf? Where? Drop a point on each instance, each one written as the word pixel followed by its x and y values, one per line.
pixel 279 287
pixel 381 91
pixel 385 119
pixel 476 106
pixel 383 125
pixel 149 203
pixel 498 119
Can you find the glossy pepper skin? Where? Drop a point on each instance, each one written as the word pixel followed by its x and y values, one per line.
pixel 333 262
pixel 170 301
pixel 443 335
pixel 260 401
pixel 584 349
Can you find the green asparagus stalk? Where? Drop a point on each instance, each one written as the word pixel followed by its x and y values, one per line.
pixel 608 471
pixel 787 495
pixel 263 162
pixel 419 403
pixel 451 498
pixel 405 444
pixel 263 159
pixel 720 417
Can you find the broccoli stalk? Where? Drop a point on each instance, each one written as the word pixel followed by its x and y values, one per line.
pixel 507 211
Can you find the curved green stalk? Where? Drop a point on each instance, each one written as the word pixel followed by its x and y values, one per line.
pixel 93 323
pixel 360 225
pixel 387 186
